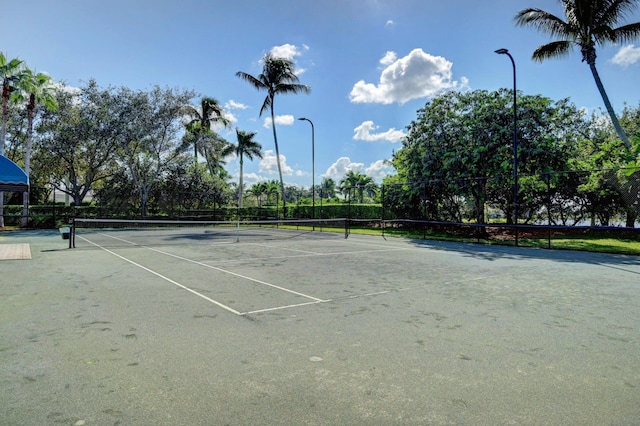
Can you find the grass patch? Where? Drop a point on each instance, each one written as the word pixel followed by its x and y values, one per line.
pixel 591 244
pixel 590 241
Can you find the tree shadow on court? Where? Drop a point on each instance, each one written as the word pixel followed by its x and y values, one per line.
pixel 500 252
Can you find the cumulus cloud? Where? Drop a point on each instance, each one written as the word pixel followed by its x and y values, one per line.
pixel 231 104
pixel 231 117
pixel 378 170
pixel 389 58
pixel 281 120
pixel 290 51
pixel 342 165
pixel 627 55
pixel 417 75
pixel 366 132
pixel 269 164
pixel 251 178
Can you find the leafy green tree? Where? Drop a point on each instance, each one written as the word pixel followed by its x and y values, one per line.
pixel 11 73
pixel 77 142
pixel 150 136
pixel 612 185
pixel 190 186
pixel 278 77
pixel 246 147
pixel 460 140
pixel 588 23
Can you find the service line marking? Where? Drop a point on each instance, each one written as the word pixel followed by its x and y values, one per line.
pixel 208 299
pixel 315 299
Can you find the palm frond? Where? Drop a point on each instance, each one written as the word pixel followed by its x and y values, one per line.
pixel 543 21
pixel 266 105
pixel 292 88
pixel 627 33
pixel 256 83
pixel 552 50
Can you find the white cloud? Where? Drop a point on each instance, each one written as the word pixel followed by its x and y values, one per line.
pixel 378 170
pixel 389 58
pixel 417 75
pixel 342 165
pixel 269 164
pixel 389 23
pixel 287 51
pixel 290 51
pixel 281 120
pixel 251 178
pixel 364 132
pixel 231 104
pixel 627 55
pixel 229 116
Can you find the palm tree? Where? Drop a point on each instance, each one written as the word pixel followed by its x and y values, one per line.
pixel 327 188
pixel 11 73
pixel 366 185
pixel 215 149
pixel 246 147
pixel 37 88
pixel 359 182
pixel 588 22
pixel 201 119
pixel 271 188
pixel 348 182
pixel 277 77
pixel 258 189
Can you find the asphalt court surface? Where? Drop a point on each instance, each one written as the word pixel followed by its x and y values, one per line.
pixel 252 277
pixel 318 331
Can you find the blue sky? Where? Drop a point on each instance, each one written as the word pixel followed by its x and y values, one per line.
pixel 371 64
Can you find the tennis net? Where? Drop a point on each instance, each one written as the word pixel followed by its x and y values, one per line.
pixel 141 232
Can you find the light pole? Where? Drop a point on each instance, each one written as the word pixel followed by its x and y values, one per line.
pixel 515 143
pixel 313 171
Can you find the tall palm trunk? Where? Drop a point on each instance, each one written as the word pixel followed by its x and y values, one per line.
pixel 616 124
pixel 27 159
pixel 275 140
pixel 241 184
pixel 3 135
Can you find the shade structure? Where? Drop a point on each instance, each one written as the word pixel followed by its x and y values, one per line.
pixel 12 177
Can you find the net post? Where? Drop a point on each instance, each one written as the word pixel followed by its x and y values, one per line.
pixel 346 228
pixel 72 233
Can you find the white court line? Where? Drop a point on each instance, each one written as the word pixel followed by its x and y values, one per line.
pixel 208 299
pixel 308 254
pixel 315 299
pixel 278 308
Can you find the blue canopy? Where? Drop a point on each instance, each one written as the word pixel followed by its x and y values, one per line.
pixel 12 177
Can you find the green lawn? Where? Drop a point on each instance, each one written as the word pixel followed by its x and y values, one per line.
pixel 593 242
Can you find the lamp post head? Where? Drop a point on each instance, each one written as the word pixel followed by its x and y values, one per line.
pixel 302 118
pixel 502 51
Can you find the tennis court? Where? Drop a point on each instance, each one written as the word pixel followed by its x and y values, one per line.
pixel 296 326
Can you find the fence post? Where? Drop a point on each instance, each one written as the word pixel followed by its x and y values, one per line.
pixel 382 212
pixel 548 176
